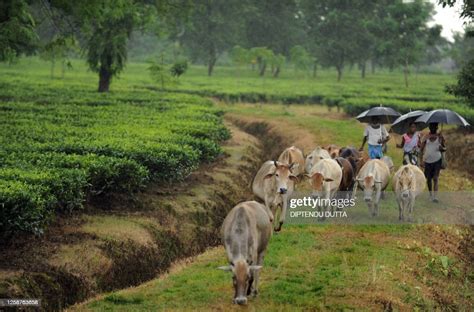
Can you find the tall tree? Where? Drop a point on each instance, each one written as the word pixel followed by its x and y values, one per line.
pixel 106 27
pixel 212 28
pixel 276 25
pixel 17 33
pixel 331 26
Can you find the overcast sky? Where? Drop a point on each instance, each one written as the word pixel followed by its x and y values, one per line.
pixel 449 18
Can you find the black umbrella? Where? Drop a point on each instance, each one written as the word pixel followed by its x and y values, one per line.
pixel 401 124
pixel 385 115
pixel 442 116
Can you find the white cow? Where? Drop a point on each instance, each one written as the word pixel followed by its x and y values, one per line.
pixel 408 182
pixel 373 176
pixel 325 178
pixel 273 184
pixel 293 155
pixel 246 232
pixel 316 155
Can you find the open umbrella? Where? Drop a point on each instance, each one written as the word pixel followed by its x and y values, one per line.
pixel 384 114
pixel 401 124
pixel 442 116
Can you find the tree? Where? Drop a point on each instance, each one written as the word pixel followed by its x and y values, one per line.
pixel 330 26
pixel 300 58
pixel 59 49
pixel 17 33
pixel 462 49
pixel 240 56
pixel 464 88
pixel 212 28
pixel 276 25
pixel 106 27
pixel 262 57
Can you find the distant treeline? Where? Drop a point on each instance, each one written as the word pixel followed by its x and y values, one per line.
pixel 264 34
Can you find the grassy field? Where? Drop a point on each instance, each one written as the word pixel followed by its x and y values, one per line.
pixel 62 142
pixel 353 94
pixel 325 267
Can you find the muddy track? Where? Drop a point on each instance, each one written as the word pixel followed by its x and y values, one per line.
pixel 69 264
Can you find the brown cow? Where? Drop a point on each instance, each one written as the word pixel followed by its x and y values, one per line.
pixel 347 182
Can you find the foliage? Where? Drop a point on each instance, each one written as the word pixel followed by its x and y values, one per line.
pixel 211 30
pixel 17 34
pixel 179 68
pixel 300 58
pixel 62 145
pixel 465 85
pixel 59 50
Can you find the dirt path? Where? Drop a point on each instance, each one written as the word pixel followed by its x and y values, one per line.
pixel 329 267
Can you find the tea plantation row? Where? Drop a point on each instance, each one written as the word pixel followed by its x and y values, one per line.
pixel 63 144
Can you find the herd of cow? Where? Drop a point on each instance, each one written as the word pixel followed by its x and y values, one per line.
pixel 331 171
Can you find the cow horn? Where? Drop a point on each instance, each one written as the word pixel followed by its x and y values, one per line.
pixel 275 163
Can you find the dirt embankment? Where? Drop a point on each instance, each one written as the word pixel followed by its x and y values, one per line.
pixel 122 242
pixel 460 152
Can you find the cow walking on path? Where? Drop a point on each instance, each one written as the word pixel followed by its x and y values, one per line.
pixel 246 232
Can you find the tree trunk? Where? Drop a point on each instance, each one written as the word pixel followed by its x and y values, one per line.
pixel 53 63
pixel 362 70
pixel 104 79
pixel 263 68
pixel 372 66
pixel 210 66
pixel 276 72
pixel 339 73
pixel 315 68
pixel 405 72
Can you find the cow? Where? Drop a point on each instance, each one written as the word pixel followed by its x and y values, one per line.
pixel 325 178
pixel 274 183
pixel 245 232
pixel 374 175
pixel 293 155
pixel 408 182
pixel 316 155
pixel 333 150
pixel 356 158
pixel 347 182
pixel 389 162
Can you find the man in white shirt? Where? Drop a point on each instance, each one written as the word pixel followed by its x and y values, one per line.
pixel 376 135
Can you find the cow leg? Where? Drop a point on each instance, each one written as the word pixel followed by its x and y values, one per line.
pixel 378 194
pixel 270 207
pixel 411 204
pixel 284 206
pixel 400 209
pixel 256 275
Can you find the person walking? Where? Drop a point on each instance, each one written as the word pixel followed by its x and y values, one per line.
pixel 431 147
pixel 376 135
pixel 410 144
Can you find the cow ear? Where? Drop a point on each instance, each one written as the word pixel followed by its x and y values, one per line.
pixel 225 268
pixel 328 180
pixel 268 176
pixel 293 178
pixel 255 267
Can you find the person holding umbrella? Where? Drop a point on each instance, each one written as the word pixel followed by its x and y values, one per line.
pixel 406 126
pixel 432 145
pixel 376 135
